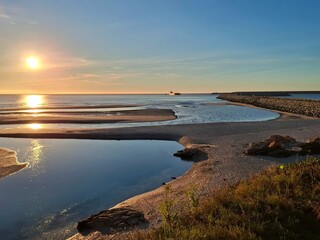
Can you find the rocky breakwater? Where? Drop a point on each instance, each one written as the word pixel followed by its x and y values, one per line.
pixel 305 107
pixel 283 146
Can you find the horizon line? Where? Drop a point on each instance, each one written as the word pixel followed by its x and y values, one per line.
pixel 157 93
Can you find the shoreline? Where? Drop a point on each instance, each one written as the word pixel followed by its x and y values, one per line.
pixel 222 142
pixel 71 107
pixel 9 162
pixel 129 116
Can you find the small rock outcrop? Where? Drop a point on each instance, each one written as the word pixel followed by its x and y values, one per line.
pixel 191 154
pixel 283 146
pixel 311 147
pixel 113 221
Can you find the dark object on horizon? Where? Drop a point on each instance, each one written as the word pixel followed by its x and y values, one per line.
pixel 173 93
pixel 280 146
pixel 113 221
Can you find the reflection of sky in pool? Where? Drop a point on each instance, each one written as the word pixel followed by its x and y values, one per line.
pixel 68 180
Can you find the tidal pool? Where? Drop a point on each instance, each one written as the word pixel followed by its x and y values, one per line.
pixel 68 180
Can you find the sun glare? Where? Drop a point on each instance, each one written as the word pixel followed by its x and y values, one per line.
pixel 34 101
pixel 35 126
pixel 33 62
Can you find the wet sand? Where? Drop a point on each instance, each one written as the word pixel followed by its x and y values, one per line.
pixel 71 107
pixel 145 115
pixel 9 163
pixel 223 143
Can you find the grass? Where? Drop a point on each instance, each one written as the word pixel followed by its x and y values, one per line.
pixel 280 203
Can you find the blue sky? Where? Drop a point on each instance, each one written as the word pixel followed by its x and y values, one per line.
pixel 148 46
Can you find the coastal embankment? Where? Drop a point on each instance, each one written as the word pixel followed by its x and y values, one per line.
pixel 304 107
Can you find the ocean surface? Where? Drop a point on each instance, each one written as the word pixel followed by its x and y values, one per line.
pixel 68 180
pixel 188 108
pixel 305 96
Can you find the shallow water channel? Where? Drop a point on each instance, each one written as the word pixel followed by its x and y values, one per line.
pixel 68 180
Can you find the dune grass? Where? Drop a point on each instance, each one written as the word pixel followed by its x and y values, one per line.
pixel 280 203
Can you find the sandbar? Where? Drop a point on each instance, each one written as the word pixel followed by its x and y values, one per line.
pixel 9 162
pixel 144 115
pixel 71 107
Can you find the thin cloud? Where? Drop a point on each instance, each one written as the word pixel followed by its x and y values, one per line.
pixel 4 16
pixel 68 63
pixel 14 16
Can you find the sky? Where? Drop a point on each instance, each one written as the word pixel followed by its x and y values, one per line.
pixel 157 46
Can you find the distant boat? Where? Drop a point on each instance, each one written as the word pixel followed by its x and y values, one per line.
pixel 173 93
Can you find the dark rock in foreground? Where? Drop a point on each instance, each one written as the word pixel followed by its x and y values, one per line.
pixel 191 154
pixel 113 221
pixel 283 146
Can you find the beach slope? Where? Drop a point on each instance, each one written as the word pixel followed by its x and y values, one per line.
pixel 9 163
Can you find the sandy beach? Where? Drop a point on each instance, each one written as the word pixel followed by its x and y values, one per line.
pixel 9 163
pixel 70 107
pixel 223 143
pixel 145 115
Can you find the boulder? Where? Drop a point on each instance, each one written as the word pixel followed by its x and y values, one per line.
pixel 281 153
pixel 274 146
pixel 311 147
pixel 113 221
pixel 278 140
pixel 259 148
pixel 188 153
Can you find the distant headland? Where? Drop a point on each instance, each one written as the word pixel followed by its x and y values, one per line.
pixel 272 93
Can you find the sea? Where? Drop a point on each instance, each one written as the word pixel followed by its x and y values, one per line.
pixel 189 108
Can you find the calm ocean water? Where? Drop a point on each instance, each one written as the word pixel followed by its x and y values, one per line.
pixel 165 100
pixel 188 108
pixel 306 96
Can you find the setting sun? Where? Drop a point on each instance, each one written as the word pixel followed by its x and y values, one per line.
pixel 33 62
pixel 34 101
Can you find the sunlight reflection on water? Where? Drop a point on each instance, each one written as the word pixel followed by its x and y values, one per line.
pixel 35 126
pixel 35 158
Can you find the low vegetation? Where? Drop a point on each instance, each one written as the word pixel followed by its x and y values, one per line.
pixel 280 203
